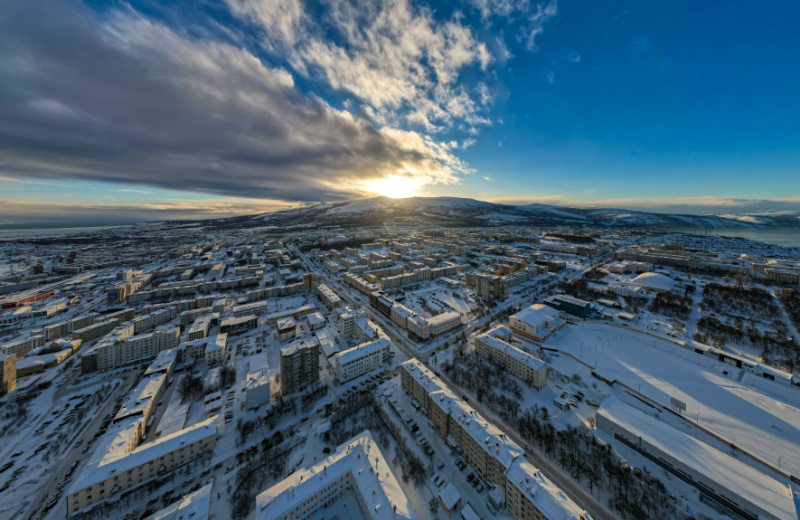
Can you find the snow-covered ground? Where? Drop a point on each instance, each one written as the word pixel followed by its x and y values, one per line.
pixel 759 416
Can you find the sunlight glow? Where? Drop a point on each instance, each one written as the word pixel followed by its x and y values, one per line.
pixel 394 186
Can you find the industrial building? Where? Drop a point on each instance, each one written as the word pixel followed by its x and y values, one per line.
pixel 740 489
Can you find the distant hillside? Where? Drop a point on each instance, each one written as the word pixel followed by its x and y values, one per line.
pixel 462 212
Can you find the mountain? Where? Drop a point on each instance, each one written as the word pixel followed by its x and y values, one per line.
pixel 462 212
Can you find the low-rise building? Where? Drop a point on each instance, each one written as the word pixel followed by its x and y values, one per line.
pixel 287 329
pixel 536 322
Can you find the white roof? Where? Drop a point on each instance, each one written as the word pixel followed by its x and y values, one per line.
pixel 450 496
pixel 194 506
pixel 445 316
pixel 372 477
pixel 655 281
pixel 547 497
pixel 500 345
pixel 359 351
pixel 315 318
pixel 537 315
pixel 728 472
pixel 101 469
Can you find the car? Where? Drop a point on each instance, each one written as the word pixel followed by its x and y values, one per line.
pixel 470 477
pixel 440 465
pixel 479 489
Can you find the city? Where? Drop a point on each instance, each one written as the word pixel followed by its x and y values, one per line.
pixel 398 372
pixel 399 260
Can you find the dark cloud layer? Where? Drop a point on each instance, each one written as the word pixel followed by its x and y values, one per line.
pixel 119 98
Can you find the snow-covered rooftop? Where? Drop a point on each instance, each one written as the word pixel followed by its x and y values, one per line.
pixel 537 315
pixel 194 506
pixel 730 473
pixel 100 469
pixel 655 281
pixel 361 350
pixel 372 478
pixel 548 498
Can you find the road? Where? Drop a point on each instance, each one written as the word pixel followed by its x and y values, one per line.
pixel 563 481
pixel 58 470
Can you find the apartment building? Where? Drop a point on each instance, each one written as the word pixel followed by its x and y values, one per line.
pixel 358 467
pixel 299 366
pixel 8 373
pixel 496 346
pixel 22 346
pixel 360 360
pixel 120 468
pixel 347 321
pixel 328 297
pixel 95 330
pixel 118 352
pixel 199 328
pixel 494 457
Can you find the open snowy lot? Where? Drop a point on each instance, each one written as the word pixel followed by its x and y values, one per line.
pixel 758 416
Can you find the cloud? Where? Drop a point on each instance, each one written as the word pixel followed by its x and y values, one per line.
pixel 574 57
pixel 116 97
pixel 15 213
pixel 536 21
pixel 550 77
pixel 700 205
pixel 500 8
pixel 487 178
pixel 397 59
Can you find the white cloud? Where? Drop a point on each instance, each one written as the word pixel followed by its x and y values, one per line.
pixel 574 57
pixel 543 13
pixel 487 178
pixel 396 58
pixel 193 115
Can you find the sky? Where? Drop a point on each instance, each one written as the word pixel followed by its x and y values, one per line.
pixel 115 112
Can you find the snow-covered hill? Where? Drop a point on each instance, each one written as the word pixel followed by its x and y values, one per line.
pixel 460 212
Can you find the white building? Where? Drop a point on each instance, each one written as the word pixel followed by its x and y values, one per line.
pixel 357 466
pixel 360 360
pixel 258 388
pixel 215 350
pixel 736 486
pixel 495 346
pixel 536 322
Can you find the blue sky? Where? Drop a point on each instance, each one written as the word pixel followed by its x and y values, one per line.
pixel 113 111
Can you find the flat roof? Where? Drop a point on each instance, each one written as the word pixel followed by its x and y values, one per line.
pixel 536 315
pixel 737 477
pixel 194 505
pixel 372 477
pixel 359 351
pixel 547 497
pixel 99 470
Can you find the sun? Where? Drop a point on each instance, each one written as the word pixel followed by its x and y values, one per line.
pixel 394 186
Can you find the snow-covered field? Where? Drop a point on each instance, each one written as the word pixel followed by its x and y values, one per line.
pixel 759 416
